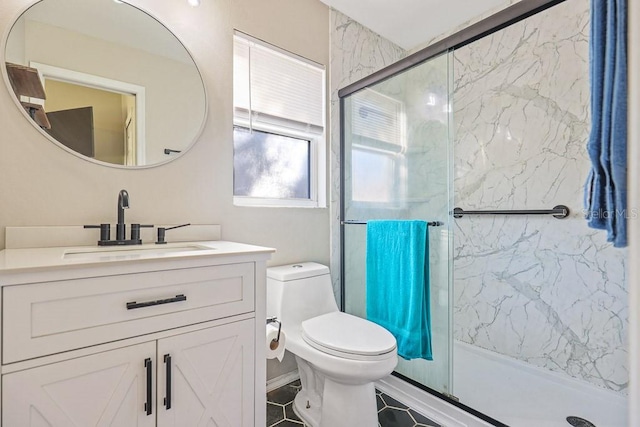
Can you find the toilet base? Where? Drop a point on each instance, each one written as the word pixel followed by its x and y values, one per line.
pixel 346 405
pixel 310 415
pixel 308 402
pixel 323 402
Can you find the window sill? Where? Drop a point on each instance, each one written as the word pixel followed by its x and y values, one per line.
pixel 276 203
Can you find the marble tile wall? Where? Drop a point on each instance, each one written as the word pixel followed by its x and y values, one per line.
pixel 547 291
pixel 503 5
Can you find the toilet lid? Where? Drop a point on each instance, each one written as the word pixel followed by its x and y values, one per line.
pixel 348 336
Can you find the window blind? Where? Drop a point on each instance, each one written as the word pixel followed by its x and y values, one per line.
pixel 268 81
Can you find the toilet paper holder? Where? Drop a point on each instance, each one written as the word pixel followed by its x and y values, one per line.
pixel 275 320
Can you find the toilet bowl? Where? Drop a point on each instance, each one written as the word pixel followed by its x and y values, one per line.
pixel 339 356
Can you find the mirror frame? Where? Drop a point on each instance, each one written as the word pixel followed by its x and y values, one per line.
pixel 16 100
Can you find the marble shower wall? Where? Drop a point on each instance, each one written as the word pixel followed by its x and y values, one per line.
pixel 356 52
pixel 503 5
pixel 547 291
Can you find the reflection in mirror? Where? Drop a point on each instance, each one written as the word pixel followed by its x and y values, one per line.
pixel 105 80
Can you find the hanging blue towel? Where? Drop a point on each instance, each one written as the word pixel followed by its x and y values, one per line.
pixel 606 188
pixel 398 283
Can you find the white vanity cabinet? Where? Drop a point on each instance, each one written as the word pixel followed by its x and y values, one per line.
pixel 171 342
pixel 104 389
pixel 206 377
pixel 199 378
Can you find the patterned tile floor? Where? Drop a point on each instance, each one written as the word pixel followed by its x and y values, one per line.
pixel 391 413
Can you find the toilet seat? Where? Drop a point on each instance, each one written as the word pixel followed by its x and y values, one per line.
pixel 349 337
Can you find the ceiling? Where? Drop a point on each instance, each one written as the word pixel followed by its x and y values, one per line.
pixel 412 23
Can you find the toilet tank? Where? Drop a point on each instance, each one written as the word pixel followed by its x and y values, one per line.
pixel 297 292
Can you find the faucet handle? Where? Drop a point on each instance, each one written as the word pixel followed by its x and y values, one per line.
pixel 161 232
pixel 135 230
pixel 105 231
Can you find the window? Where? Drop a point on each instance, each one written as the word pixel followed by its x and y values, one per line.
pixel 279 156
pixel 272 166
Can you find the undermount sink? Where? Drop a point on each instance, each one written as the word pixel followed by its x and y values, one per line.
pixel 128 252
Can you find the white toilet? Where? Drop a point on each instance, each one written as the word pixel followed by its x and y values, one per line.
pixel 339 356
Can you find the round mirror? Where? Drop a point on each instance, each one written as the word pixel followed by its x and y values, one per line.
pixel 106 81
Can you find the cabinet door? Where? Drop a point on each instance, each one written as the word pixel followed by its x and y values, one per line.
pixel 104 389
pixel 211 377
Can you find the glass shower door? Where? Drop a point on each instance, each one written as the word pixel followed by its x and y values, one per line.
pixel 396 165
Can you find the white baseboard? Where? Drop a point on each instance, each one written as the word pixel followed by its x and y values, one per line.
pixel 284 379
pixel 427 404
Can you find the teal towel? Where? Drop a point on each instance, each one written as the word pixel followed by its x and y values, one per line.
pixel 398 283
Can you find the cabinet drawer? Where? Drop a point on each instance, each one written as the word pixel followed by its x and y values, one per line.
pixel 46 318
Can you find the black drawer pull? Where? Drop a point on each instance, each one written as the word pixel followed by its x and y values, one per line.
pixel 148 403
pixel 167 399
pixel 177 298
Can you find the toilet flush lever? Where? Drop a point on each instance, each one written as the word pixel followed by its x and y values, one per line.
pixel 275 320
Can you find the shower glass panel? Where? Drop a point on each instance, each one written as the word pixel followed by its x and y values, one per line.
pixel 396 165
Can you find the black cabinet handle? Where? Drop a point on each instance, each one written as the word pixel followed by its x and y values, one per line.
pixel 133 305
pixel 147 405
pixel 167 399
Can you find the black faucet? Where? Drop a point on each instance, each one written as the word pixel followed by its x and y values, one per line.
pixel 123 203
pixel 121 228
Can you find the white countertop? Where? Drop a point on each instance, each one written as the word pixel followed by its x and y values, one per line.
pixel 18 260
